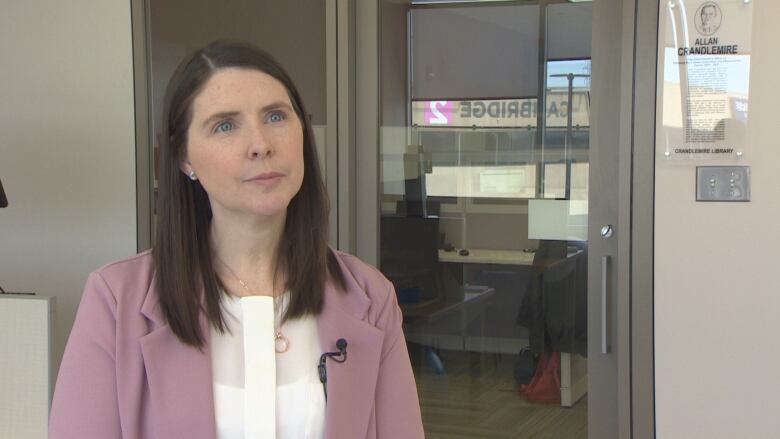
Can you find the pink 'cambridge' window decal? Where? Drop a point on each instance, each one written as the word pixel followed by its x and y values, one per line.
pixel 438 112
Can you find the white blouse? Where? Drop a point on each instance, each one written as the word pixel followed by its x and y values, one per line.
pixel 257 392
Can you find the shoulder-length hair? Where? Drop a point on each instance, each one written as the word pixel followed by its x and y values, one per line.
pixel 182 252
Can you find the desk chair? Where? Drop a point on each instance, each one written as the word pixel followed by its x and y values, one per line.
pixel 559 299
pixel 554 308
pixel 409 258
pixel 555 311
pixel 429 296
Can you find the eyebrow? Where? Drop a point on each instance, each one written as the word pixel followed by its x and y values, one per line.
pixel 220 115
pixel 230 114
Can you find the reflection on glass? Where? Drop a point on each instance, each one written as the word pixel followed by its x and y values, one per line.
pixel 484 177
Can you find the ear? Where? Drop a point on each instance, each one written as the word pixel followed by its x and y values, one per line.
pixel 185 166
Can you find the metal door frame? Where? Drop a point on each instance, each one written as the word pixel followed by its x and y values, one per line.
pixel 144 164
pixel 642 206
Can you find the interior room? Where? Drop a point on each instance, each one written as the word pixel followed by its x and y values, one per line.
pixel 484 202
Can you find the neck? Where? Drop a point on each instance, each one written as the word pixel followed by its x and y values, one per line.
pixel 246 249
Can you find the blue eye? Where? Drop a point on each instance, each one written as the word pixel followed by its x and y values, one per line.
pixel 276 116
pixel 223 127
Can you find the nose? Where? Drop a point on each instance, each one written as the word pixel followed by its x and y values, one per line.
pixel 259 145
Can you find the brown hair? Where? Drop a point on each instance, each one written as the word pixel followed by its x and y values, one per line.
pixel 182 253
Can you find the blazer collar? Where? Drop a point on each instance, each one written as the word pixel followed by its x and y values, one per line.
pixel 180 376
pixel 350 384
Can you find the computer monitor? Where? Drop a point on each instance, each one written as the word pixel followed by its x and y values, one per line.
pixel 482 181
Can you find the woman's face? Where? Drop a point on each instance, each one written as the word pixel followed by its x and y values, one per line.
pixel 245 144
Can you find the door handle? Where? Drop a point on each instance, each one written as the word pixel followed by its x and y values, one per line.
pixel 604 305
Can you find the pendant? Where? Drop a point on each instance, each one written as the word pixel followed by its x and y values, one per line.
pixel 281 344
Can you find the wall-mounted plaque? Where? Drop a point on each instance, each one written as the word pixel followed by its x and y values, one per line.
pixel 704 78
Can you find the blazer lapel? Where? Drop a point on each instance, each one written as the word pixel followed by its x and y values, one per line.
pixel 179 377
pixel 351 384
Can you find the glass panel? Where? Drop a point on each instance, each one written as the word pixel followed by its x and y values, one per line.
pixel 484 211
pixel 566 134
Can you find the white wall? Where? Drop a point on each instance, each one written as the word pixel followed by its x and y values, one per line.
pixel 67 147
pixel 717 289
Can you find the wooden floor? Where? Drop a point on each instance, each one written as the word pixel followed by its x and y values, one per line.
pixel 477 398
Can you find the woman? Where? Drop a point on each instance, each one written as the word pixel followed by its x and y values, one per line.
pixel 220 329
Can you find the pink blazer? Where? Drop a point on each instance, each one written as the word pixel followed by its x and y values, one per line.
pixel 126 375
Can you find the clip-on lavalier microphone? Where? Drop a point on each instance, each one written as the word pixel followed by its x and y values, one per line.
pixel 338 357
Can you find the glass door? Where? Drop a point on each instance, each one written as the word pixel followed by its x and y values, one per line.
pixel 478 201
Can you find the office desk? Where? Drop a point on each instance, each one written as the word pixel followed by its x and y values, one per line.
pixel 499 257
pixel 573 366
pixel 473 296
pixel 486 256
pixel 468 308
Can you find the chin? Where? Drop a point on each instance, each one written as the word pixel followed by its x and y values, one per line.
pixel 270 207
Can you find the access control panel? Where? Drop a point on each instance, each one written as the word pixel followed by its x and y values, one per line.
pixel 723 183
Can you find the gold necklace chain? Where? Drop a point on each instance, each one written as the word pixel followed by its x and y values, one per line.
pixel 281 343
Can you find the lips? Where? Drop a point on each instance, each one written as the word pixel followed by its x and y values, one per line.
pixel 266 178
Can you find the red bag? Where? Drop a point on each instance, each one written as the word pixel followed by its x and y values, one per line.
pixel 545 386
